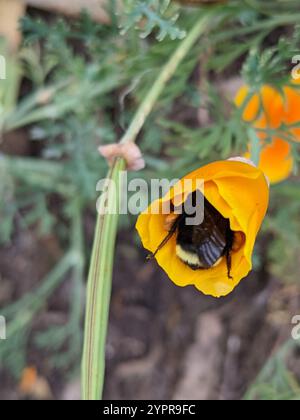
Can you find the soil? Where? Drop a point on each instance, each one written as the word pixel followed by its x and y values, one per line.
pixel 164 342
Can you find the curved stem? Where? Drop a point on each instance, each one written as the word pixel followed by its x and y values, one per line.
pixel 165 75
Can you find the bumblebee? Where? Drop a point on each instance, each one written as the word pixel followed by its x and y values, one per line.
pixel 202 246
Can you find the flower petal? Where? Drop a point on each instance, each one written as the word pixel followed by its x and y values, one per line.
pixel 276 160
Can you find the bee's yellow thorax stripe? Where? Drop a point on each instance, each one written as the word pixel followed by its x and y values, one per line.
pixel 191 258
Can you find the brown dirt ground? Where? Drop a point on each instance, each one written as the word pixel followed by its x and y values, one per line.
pixel 164 342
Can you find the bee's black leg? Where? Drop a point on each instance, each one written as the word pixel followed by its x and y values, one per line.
pixel 160 246
pixel 230 240
pixel 229 264
pixel 164 241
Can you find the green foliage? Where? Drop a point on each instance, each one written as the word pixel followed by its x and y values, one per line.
pixel 272 65
pixel 149 16
pixel 284 248
pixel 7 203
pixel 277 381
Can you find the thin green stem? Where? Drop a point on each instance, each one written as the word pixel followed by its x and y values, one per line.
pixel 165 75
pixel 10 88
pixel 99 288
pixel 78 270
pixel 255 146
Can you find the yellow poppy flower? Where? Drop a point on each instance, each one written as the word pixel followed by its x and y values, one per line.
pixel 240 193
pixel 270 109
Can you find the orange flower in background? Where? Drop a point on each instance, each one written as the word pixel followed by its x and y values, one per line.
pixel 28 380
pixel 31 384
pixel 236 193
pixel 291 114
pixel 275 160
pixel 270 109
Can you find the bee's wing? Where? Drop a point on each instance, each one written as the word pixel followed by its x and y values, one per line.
pixel 212 249
pixel 210 244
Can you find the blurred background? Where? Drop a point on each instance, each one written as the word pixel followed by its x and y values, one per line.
pixel 74 79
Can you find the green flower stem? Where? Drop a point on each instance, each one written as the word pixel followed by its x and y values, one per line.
pixel 100 275
pixel 9 88
pixel 99 289
pixel 255 146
